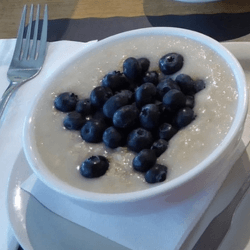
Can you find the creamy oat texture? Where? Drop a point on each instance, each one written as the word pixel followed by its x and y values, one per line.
pixel 63 151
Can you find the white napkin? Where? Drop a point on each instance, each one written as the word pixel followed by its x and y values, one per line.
pixel 14 115
pixel 162 230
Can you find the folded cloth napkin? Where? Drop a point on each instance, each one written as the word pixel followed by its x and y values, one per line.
pixel 164 230
pixel 14 115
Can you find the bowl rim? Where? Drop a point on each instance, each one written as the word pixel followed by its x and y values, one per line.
pixel 40 170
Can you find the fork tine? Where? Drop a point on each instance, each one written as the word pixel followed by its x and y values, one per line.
pixel 43 40
pixel 27 40
pixel 34 45
pixel 19 40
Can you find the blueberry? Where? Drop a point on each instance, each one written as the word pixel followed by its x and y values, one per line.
pixel 129 94
pixel 66 102
pixel 158 173
pixel 135 107
pixel 184 117
pixel 93 130
pixel 113 138
pixel 151 76
pixel 99 95
pixel 167 131
pixel 174 100
pixel 164 86
pixel 171 63
pixel 74 121
pixel 190 102
pixel 99 115
pixel 186 84
pixel 113 104
pixel 144 63
pixel 139 139
pixel 145 160
pixel 158 103
pixel 115 80
pixel 149 116
pixel 145 94
pixel 199 85
pixel 134 85
pixel 126 117
pixel 84 107
pixel 165 114
pixel 159 147
pixel 132 69
pixel 94 166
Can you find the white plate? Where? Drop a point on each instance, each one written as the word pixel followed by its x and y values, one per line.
pixel 38 228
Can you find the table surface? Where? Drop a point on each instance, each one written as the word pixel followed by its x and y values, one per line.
pixel 223 20
pixel 84 20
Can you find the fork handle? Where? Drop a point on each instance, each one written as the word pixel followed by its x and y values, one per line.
pixel 6 97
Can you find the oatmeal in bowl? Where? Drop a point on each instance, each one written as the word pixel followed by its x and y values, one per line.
pixel 136 116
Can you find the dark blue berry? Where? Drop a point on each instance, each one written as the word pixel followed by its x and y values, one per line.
pixel 184 117
pixel 190 102
pixel 113 138
pixel 139 139
pixel 145 94
pixel 151 76
pixel 164 86
pixel 93 130
pixel 158 103
pixel 74 121
pixel 66 102
pixel 171 63
pixel 126 117
pixel 159 147
pixel 94 166
pixel 199 85
pixel 99 115
pixel 186 84
pixel 174 100
pixel 132 69
pixel 149 116
pixel 84 107
pixel 113 104
pixel 165 114
pixel 99 95
pixel 167 131
pixel 156 174
pixel 134 85
pixel 145 160
pixel 129 94
pixel 115 80
pixel 144 63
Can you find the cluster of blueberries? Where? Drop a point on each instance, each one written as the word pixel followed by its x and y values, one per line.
pixel 135 109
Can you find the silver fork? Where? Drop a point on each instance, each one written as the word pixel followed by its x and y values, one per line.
pixel 29 54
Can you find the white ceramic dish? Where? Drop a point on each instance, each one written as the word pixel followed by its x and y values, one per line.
pixel 182 186
pixel 38 228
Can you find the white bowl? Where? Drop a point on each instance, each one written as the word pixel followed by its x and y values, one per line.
pixel 179 188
